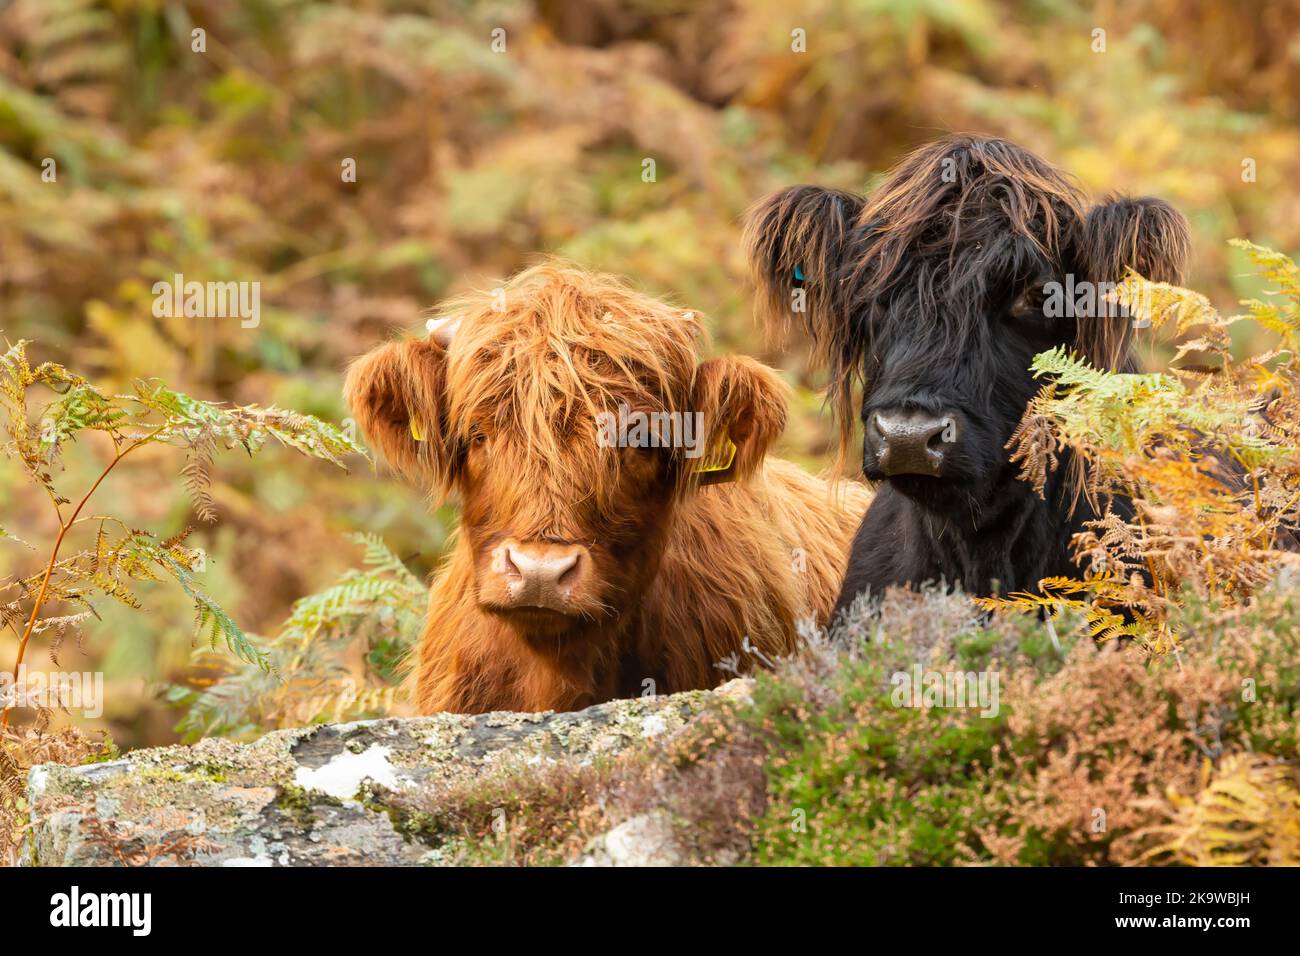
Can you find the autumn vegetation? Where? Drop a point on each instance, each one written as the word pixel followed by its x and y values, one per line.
pixel 1158 687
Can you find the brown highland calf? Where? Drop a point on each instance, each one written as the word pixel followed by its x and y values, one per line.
pixel 584 570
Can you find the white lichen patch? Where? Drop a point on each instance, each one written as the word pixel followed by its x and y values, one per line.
pixel 342 775
pixel 652 725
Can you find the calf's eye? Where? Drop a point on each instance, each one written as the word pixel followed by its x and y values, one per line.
pixel 1029 303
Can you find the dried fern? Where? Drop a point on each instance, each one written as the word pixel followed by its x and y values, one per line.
pixel 1246 814
pixel 23 749
pixel 1207 454
pixel 197 476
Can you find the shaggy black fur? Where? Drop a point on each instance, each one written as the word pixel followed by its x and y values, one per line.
pixel 929 296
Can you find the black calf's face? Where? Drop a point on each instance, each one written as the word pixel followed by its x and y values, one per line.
pixel 946 364
pixel 931 297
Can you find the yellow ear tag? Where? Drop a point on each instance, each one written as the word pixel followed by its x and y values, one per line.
pixel 715 468
pixel 415 431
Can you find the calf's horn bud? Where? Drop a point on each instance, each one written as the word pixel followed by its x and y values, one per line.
pixel 442 330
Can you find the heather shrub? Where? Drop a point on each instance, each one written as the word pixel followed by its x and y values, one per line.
pixel 1089 745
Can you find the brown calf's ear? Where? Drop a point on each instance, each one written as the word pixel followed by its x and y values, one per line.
pixel 796 240
pixel 744 404
pixel 1144 234
pixel 396 394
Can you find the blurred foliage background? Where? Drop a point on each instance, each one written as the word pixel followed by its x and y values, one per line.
pixel 226 164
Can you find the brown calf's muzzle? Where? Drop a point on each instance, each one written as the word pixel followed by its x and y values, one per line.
pixel 538 575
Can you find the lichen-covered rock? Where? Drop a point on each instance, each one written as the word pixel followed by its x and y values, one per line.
pixel 319 795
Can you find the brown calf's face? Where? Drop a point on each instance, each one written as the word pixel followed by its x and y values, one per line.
pixel 520 412
pixel 561 542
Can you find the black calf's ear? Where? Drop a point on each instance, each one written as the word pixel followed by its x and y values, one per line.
pixel 397 394
pixel 744 404
pixel 796 242
pixel 1146 235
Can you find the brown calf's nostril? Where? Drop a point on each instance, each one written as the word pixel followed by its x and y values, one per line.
pixel 570 571
pixel 511 568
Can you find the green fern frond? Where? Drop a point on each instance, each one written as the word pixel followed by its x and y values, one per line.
pixel 209 618
pixel 379 557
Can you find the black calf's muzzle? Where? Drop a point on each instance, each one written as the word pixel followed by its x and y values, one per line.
pixel 910 442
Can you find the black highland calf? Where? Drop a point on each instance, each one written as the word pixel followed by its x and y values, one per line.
pixel 930 299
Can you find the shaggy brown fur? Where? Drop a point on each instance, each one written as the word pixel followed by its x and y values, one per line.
pixel 679 574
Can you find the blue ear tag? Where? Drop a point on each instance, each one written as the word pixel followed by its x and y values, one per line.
pixel 798 273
